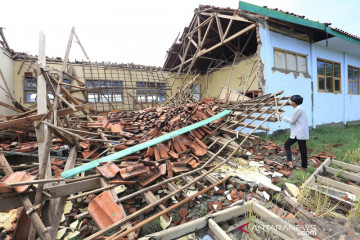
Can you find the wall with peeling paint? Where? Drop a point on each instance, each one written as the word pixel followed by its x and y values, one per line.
pixel 321 107
pixel 289 82
pixel 243 76
pixel 6 67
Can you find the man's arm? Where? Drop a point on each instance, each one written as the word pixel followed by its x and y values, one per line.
pixel 295 116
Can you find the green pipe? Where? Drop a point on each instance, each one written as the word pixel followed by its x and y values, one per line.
pixel 141 146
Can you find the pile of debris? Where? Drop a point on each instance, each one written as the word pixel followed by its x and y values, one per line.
pixel 177 164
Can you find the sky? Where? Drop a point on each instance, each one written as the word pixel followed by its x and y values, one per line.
pixel 135 31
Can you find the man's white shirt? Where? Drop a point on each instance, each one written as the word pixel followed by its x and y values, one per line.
pixel 299 125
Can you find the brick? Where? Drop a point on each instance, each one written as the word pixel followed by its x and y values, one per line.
pixel 279 211
pixel 233 194
pixel 183 212
pixel 274 209
pixel 275 180
pixel 132 210
pixel 289 216
pixel 285 173
pixel 269 162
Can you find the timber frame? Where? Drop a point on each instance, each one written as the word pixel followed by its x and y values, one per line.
pixel 215 37
pixel 211 221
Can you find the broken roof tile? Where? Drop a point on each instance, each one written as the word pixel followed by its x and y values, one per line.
pixel 104 210
pixel 197 149
pixel 133 171
pixel 179 167
pixel 109 170
pixel 16 177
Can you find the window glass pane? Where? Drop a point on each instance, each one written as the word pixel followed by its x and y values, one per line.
pixel 117 97
pixel 197 88
pixel 336 70
pixel 141 98
pixel 30 83
pixel 350 87
pixel 117 84
pixel 104 84
pixel 350 73
pixel 320 67
pixel 92 83
pixel 161 97
pixel 329 69
pixel 321 83
pixel 337 85
pixel 105 96
pixel 301 61
pixel 329 84
pixel 93 97
pixel 30 96
pixel 290 62
pixel 196 96
pixel 279 58
pixel 356 87
pixel 356 74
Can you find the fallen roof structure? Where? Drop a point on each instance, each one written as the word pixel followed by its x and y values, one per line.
pixel 94 175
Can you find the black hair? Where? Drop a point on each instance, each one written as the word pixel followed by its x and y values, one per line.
pixel 297 99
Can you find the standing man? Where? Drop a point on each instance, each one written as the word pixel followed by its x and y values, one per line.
pixel 299 131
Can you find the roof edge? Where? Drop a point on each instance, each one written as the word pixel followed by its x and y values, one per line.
pixel 296 20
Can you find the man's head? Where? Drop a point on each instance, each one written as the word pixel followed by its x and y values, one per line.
pixel 296 100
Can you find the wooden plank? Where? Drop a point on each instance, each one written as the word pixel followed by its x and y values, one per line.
pixel 230 17
pixel 5 125
pixel 264 213
pixel 342 173
pixel 336 184
pixel 10 107
pixel 217 230
pixel 74 187
pixel 220 30
pixel 157 215
pixel 189 227
pixel 70 163
pixel 319 170
pixel 348 166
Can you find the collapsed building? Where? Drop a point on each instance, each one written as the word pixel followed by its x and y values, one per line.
pixel 127 144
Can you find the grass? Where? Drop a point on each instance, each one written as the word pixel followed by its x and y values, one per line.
pixel 298 177
pixel 317 201
pixel 353 217
pixel 339 140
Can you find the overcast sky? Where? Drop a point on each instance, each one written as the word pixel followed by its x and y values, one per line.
pixel 137 31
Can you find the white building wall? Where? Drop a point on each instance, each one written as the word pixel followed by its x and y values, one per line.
pixel 352 102
pixel 321 107
pixel 6 67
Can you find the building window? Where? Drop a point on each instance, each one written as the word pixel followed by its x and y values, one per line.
pixel 290 61
pixel 30 88
pixel 329 76
pixel 104 91
pixel 353 79
pixel 150 92
pixel 195 90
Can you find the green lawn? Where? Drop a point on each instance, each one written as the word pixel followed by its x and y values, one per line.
pixel 338 140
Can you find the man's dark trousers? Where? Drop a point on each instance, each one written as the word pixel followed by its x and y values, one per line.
pixel 303 150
